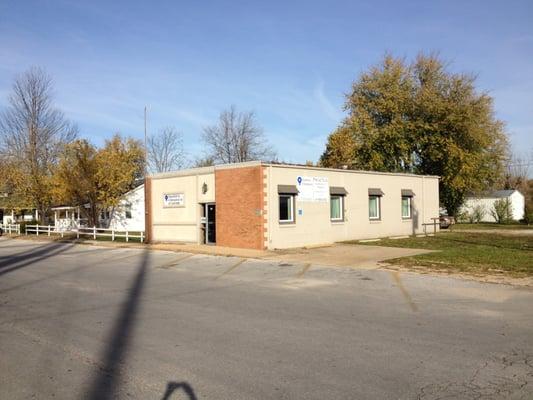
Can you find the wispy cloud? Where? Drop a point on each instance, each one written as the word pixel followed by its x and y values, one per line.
pixel 328 108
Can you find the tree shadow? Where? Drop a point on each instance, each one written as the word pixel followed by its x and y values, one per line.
pixel 175 386
pixel 106 380
pixel 415 221
pixel 12 263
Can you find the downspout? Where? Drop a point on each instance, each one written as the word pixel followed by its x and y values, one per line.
pixel 269 205
pixel 423 200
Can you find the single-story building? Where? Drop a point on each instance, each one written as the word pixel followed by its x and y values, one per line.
pixel 273 206
pixel 486 202
pixel 128 215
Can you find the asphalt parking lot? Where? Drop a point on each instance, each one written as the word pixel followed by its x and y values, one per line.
pixel 84 322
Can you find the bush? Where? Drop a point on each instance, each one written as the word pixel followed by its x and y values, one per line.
pixel 478 213
pixel 26 223
pixel 463 216
pixel 502 211
pixel 528 214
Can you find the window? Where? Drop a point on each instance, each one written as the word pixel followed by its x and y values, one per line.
pixel 336 210
pixel 286 208
pixel 374 207
pixel 128 211
pixel 406 207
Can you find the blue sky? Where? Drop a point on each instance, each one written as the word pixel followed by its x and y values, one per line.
pixel 289 61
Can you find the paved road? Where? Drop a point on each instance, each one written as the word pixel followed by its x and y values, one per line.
pixel 101 323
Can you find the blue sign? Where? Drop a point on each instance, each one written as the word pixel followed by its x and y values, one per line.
pixel 299 179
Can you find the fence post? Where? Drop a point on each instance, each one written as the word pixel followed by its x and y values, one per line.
pixel 78 233
pixel 37 229
pixel 142 236
pixel 126 235
pixel 61 233
pixel 94 232
pixel 112 235
pixel 26 229
pixel 48 229
pixel 9 229
pixel 18 229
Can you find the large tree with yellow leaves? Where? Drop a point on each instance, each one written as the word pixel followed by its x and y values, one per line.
pixel 97 179
pixel 420 117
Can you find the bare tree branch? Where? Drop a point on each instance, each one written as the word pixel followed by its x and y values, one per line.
pixel 236 138
pixel 165 151
pixel 33 134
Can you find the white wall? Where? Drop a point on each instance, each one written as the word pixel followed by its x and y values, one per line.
pixel 313 226
pixel 517 200
pixel 180 224
pixel 136 222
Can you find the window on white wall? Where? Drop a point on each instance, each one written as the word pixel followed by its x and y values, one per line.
pixel 286 208
pixel 336 210
pixel 127 211
pixel 406 207
pixel 374 207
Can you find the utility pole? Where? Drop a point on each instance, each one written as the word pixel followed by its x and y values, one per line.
pixel 145 144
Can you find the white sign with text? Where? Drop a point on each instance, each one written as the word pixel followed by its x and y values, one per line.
pixel 312 189
pixel 173 199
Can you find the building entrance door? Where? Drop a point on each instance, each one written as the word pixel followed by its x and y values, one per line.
pixel 210 229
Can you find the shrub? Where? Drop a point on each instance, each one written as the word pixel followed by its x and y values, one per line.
pixel 463 216
pixel 478 213
pixel 23 225
pixel 502 211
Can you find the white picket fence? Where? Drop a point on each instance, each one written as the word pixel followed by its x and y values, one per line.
pixel 10 228
pixel 93 232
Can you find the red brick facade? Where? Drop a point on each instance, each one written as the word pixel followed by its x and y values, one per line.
pixel 148 210
pixel 239 213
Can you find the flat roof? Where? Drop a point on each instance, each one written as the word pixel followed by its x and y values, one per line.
pixel 209 170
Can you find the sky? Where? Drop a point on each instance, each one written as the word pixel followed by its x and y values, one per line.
pixel 291 62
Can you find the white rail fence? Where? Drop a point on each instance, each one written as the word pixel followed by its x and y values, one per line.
pixel 93 232
pixel 10 228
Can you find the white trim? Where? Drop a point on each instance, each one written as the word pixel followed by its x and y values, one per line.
pixel 378 217
pixel 409 208
pixel 291 209
pixel 341 208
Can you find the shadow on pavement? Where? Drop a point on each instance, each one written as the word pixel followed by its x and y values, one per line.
pixel 179 386
pixel 12 263
pixel 106 380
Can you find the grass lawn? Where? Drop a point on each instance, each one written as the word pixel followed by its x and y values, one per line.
pixel 476 253
pixel 488 226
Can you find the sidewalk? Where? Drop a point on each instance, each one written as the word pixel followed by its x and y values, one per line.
pixel 177 247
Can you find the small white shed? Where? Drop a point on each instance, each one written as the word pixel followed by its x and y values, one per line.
pixel 487 200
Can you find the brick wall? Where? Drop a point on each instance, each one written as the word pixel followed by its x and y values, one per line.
pixel 239 207
pixel 148 210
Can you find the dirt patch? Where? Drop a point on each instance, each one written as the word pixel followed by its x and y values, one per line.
pixel 500 279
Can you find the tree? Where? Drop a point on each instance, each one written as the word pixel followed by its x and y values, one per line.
pixel 165 151
pixel 419 117
pixel 502 211
pixel 204 162
pixel 32 135
pixel 236 138
pixel 97 179
pixel 340 150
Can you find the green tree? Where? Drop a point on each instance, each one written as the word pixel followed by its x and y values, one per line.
pixel 420 117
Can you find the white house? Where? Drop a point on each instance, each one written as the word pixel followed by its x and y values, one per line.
pixel 127 216
pixel 487 200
